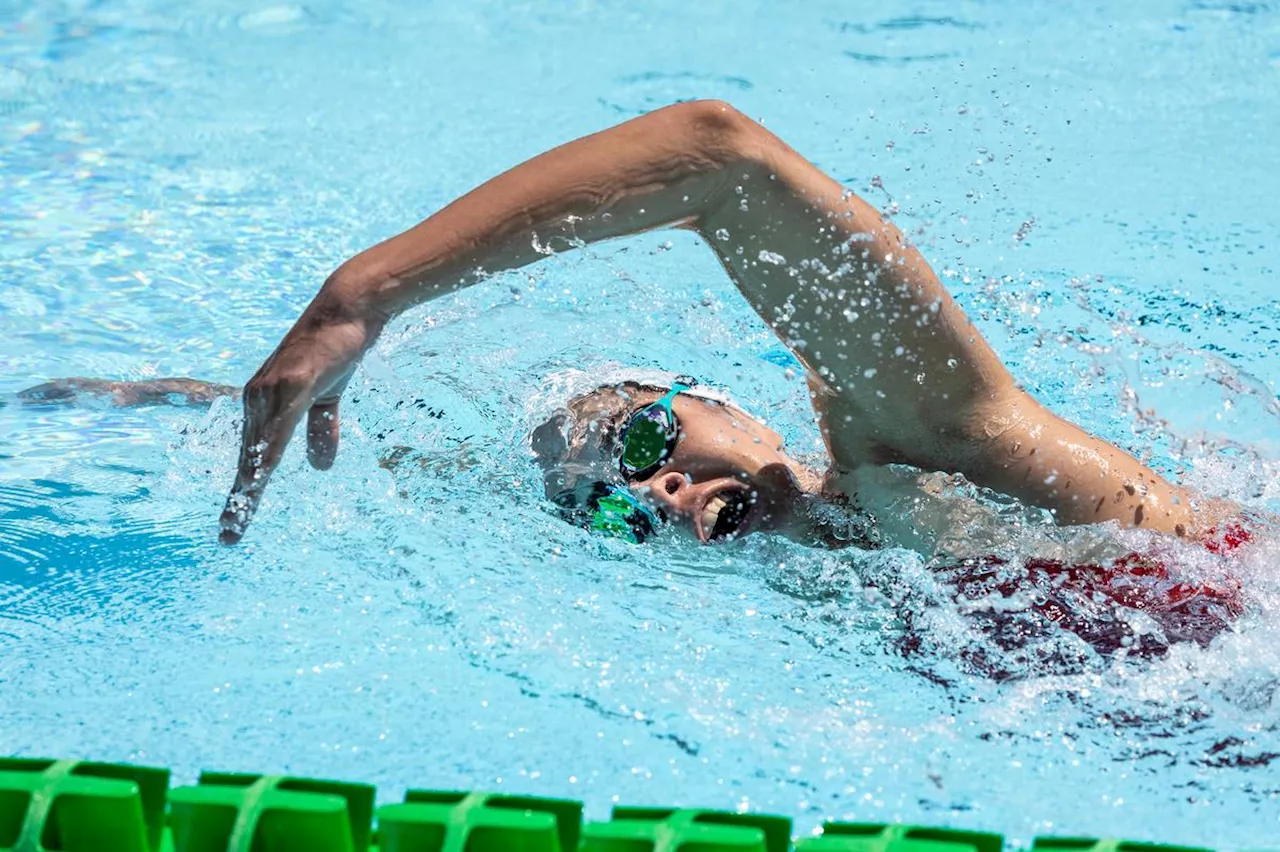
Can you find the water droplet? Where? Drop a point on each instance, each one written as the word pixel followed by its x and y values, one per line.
pixel 721 233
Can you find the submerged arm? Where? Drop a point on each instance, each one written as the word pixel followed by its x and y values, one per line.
pixel 166 391
pixel 898 372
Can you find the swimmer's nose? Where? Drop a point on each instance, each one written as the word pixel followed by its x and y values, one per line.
pixel 672 493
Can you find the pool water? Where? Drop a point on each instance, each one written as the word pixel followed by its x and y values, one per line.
pixel 1096 184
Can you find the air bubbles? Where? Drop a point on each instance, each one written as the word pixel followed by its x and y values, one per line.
pixel 541 247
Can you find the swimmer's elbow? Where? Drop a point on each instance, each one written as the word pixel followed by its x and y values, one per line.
pixel 712 116
pixel 717 127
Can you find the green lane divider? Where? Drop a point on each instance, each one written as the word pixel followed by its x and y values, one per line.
pixel 72 805
pixel 672 829
pixel 1092 844
pixel 458 821
pixel 881 837
pixel 235 812
pixel 81 806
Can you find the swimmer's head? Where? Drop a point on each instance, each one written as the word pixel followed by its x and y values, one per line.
pixel 726 475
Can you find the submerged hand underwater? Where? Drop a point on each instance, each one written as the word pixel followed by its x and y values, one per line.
pixel 898 375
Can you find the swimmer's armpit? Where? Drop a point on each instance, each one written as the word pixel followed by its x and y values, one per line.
pixel 167 391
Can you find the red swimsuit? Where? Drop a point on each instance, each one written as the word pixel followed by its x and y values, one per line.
pixel 1091 600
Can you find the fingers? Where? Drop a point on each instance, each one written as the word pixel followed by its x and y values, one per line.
pixel 308 371
pixel 322 426
pixel 322 434
pixel 270 416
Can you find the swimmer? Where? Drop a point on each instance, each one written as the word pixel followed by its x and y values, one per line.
pixel 897 374
pixel 912 404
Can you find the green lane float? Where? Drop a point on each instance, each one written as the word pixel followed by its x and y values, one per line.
pixel 72 805
pixel 478 822
pixel 228 811
pixel 82 806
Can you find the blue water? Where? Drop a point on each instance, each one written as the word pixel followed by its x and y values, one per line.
pixel 1096 183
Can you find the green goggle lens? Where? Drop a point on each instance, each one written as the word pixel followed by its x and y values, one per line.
pixel 610 509
pixel 650 435
pixel 647 440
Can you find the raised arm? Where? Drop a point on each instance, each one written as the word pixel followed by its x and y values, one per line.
pixel 897 371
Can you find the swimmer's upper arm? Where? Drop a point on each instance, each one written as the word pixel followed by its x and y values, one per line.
pixel 1033 454
pixel 897 371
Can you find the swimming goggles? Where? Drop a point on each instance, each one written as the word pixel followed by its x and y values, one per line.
pixel 610 509
pixel 649 437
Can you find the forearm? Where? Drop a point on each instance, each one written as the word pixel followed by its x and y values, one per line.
pixel 166 391
pixel 661 169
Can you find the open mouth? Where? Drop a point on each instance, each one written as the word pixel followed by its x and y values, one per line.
pixel 724 514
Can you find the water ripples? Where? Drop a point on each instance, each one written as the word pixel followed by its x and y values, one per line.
pixel 637 94
pixel 180 178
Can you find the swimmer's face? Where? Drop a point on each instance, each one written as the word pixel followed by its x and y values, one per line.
pixel 727 476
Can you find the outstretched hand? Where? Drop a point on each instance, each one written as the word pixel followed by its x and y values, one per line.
pixel 305 375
